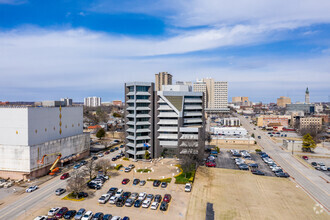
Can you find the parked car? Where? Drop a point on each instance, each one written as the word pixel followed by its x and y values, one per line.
pixel 154 205
pixel 156 183
pixel 129 202
pixel 31 189
pixel 136 181
pixel 282 174
pixel 164 184
pixel 125 218
pixel 210 164
pixel 138 203
pixel 41 218
pixel 253 165
pixel 163 206
pixel 60 191
pixel 113 199
pixel 100 155
pixel 314 164
pixel 65 176
pixel 119 192
pixel 107 152
pixel 167 198
pixel 116 218
pixel 87 216
pixel 323 168
pixel 187 187
pixel 104 198
pixel 82 195
pixel 107 217
pixel 305 157
pixel 150 197
pixel 134 196
pixel 70 214
pixel 142 196
pixel 158 198
pixel 257 172
pixel 146 203
pixel 98 216
pixel 112 150
pixel 243 167
pixel 128 169
pixel 131 166
pixel 80 214
pixel 125 181
pixel 142 182
pixel 122 146
pixel 112 191
pixel 77 166
pixel 61 212
pixel 53 211
pixel 95 158
pixel 83 162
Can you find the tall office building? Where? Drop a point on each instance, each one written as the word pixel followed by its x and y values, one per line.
pixel 162 78
pixel 215 94
pixel 92 101
pixel 162 122
pixel 307 96
pixel 139 104
pixel 283 101
pixel 244 101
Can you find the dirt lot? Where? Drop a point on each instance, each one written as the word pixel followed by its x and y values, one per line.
pixel 177 207
pixel 241 195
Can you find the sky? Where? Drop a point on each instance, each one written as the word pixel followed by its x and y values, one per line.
pixel 51 49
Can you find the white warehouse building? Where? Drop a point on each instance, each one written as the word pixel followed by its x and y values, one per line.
pixel 229 131
pixel 29 133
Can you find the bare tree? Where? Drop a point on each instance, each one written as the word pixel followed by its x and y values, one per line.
pixel 77 182
pixel 103 165
pixel 90 168
pixel 191 155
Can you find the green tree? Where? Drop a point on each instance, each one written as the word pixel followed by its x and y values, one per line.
pixel 100 133
pixel 116 115
pixel 252 135
pixel 308 143
pixel 147 155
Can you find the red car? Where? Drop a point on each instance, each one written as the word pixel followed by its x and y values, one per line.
pixel 305 157
pixel 167 198
pixel 62 212
pixel 64 176
pixel 210 164
pixel 125 181
pixel 107 152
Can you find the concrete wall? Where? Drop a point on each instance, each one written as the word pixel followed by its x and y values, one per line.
pixel 15 158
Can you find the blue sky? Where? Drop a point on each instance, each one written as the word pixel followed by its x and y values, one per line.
pixel 264 49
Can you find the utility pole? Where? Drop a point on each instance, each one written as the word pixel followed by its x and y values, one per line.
pixel 292 146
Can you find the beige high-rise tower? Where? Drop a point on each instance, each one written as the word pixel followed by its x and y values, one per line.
pixel 162 78
pixel 215 93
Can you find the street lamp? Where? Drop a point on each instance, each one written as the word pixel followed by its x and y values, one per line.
pixel 292 146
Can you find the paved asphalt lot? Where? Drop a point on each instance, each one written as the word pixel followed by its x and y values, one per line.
pixel 225 160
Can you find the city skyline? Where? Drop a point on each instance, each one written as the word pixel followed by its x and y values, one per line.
pixel 80 49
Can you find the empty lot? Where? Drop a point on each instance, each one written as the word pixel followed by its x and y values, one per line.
pixel 241 195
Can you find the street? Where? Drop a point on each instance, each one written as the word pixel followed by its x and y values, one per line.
pixel 313 182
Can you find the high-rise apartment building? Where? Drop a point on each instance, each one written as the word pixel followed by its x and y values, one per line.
pixel 215 93
pixel 92 101
pixel 162 122
pixel 139 118
pixel 283 101
pixel 162 78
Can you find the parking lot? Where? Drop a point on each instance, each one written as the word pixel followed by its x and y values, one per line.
pixel 225 160
pixel 161 169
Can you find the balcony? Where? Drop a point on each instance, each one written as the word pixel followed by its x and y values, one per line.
pixel 168 129
pixel 130 93
pixel 143 123
pixel 189 137
pixel 168 143
pixel 168 136
pixel 130 130
pixel 142 101
pixel 167 122
pixel 142 138
pixel 143 109
pixel 192 120
pixel 130 116
pixel 143 116
pixel 197 100
pixel 143 93
pixel 142 130
pixel 164 107
pixel 130 101
pixel 130 123
pixel 130 152
pixel 130 108
pixel 193 114
pixel 192 107
pixel 130 137
pixel 168 115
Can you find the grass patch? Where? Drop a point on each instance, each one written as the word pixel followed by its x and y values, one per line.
pixel 184 178
pixel 118 166
pixel 72 197
pixel 143 170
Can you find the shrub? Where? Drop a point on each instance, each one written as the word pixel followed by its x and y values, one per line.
pixel 258 150
pixel 118 166
pixel 184 178
pixel 143 170
pixel 125 158
pixel 168 180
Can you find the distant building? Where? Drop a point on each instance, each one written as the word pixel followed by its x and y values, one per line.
pixel 228 131
pixel 189 84
pixel 117 103
pixel 310 123
pixel 270 120
pixel 231 122
pixel 92 101
pixel 305 108
pixel 283 101
pixel 4 103
pixel 66 101
pixel 307 96
pixel 215 94
pixel 162 78
pixel 244 101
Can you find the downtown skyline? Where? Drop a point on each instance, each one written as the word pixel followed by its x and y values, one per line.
pixel 75 49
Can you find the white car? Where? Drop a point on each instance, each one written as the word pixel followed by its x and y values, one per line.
pixel 119 193
pixel 324 168
pixel 116 218
pixel 187 188
pixel 142 196
pixel 104 198
pixel 146 203
pixel 53 211
pixel 154 205
pixel 127 169
pixel 88 215
pixel 113 200
pixel 100 155
pixel 41 218
pixel 31 189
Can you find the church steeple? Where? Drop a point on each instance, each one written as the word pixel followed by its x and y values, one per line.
pixel 307 92
pixel 307 96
